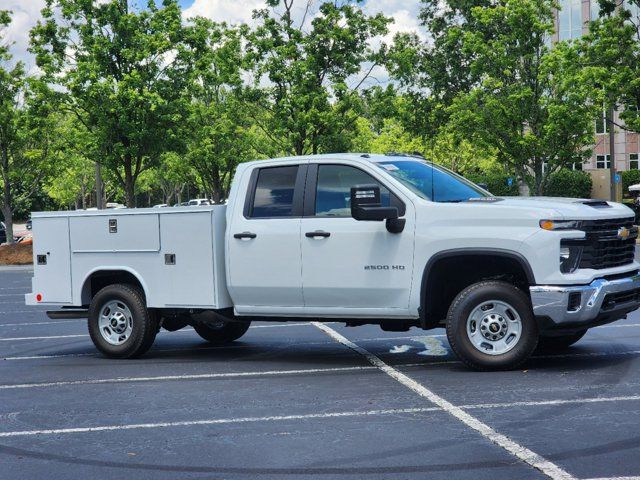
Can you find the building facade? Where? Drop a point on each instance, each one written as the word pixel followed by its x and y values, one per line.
pixel 572 21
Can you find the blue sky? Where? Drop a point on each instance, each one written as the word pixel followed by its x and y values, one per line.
pixel 27 12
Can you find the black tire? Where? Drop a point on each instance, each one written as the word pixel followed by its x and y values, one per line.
pixel 144 324
pixel 559 343
pixel 472 297
pixel 221 332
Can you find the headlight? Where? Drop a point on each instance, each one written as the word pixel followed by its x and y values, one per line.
pixel 560 224
pixel 569 257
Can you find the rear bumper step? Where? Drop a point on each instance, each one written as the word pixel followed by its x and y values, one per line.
pixel 70 313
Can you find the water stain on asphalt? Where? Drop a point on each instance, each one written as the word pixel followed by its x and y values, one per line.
pixel 431 347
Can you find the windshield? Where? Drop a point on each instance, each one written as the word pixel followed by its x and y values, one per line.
pixel 432 182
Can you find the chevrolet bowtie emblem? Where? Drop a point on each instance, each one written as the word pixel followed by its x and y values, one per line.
pixel 623 233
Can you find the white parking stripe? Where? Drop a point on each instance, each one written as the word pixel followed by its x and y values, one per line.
pixel 216 421
pixel 81 321
pixel 14 339
pixel 430 363
pixel 204 376
pixel 520 450
pixel 615 478
pixel 26 324
pixel 550 469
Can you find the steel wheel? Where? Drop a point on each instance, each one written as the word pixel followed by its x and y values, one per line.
pixel 115 322
pixel 494 327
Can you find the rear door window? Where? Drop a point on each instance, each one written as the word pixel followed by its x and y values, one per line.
pixel 274 191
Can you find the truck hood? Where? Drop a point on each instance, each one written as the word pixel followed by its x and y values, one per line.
pixel 568 208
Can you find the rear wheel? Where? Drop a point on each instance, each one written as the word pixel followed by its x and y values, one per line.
pixel 219 331
pixel 120 325
pixel 561 342
pixel 490 326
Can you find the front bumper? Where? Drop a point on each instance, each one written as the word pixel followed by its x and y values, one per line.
pixel 586 305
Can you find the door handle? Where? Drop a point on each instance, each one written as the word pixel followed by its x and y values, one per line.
pixel 244 235
pixel 317 233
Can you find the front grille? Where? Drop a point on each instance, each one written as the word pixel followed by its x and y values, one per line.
pixel 602 248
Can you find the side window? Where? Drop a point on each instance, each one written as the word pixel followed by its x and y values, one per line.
pixel 274 192
pixel 333 191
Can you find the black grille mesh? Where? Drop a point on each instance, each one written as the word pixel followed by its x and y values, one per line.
pixel 602 246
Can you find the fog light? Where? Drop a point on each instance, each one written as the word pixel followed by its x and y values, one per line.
pixel 575 301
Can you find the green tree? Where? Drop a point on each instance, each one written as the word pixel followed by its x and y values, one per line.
pixel 611 58
pixel 73 164
pixel 488 77
pixel 312 73
pixel 220 119
pixel 25 129
pixel 123 73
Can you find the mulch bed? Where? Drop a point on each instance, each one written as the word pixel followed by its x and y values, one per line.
pixel 17 254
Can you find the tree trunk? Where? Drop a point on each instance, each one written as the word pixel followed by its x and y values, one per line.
pixel 6 209
pixel 8 222
pixel 129 183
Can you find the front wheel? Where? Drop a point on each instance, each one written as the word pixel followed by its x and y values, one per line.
pixel 490 326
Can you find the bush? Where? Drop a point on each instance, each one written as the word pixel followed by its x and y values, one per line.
pixel 629 177
pixel 569 183
pixel 497 184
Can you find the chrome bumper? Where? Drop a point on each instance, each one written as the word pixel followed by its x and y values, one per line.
pixel 588 301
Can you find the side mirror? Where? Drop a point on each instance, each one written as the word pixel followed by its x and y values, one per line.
pixel 484 186
pixel 366 206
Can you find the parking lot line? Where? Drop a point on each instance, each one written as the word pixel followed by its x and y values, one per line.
pixel 203 376
pixel 531 458
pixel 81 321
pixel 615 478
pixel 15 339
pixel 37 323
pixel 222 347
pixel 216 421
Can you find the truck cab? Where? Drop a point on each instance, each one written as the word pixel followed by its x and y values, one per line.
pixel 392 240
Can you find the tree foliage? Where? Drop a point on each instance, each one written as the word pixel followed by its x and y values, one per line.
pixel 311 100
pixel 124 74
pixel 25 133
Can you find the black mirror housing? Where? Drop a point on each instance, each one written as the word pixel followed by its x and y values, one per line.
pixel 366 206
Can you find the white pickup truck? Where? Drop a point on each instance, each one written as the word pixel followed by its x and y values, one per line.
pixel 364 239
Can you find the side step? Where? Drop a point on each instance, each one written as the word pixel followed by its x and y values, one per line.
pixel 70 314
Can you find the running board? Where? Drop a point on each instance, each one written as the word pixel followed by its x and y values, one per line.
pixel 70 313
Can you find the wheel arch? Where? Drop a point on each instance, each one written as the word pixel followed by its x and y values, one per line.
pixel 100 277
pixel 439 276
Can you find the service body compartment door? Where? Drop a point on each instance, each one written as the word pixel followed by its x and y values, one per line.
pixel 118 233
pixel 187 258
pixel 52 262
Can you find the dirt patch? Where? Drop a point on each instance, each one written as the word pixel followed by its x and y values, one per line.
pixel 17 254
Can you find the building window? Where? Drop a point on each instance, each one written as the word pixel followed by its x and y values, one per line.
pixel 601 122
pixel 603 161
pixel 633 161
pixel 570 19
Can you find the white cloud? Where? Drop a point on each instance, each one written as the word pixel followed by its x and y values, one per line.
pixel 238 11
pixel 403 12
pixel 25 15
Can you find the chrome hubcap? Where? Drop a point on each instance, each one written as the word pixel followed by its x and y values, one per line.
pixel 115 322
pixel 494 327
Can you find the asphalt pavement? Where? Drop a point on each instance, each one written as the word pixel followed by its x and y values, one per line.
pixel 303 400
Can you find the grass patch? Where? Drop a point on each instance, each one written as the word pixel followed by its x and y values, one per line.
pixel 17 254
